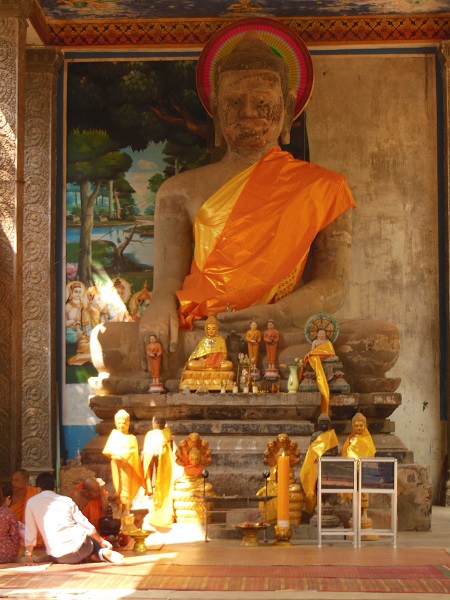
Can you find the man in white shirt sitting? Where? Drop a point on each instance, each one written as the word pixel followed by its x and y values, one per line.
pixel 68 536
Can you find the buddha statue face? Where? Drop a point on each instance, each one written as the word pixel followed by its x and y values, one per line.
pixel 122 422
pixel 321 335
pixel 211 330
pixel 253 325
pixel 194 456
pixel 359 424
pixel 250 108
pixel 323 422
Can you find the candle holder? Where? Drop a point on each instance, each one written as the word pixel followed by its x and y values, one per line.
pixel 283 535
pixel 266 475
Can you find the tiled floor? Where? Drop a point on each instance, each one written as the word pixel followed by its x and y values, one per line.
pixel 413 548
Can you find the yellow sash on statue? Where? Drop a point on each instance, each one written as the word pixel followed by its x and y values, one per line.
pixel 359 446
pixel 314 358
pixel 256 232
pixel 310 467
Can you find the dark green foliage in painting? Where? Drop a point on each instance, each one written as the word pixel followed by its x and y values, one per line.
pixel 138 103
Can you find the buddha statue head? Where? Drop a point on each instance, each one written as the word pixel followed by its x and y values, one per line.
pixel 122 421
pixel 211 327
pixel 251 102
pixel 323 422
pixel 359 423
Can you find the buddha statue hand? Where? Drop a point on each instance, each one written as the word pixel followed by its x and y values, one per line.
pixel 292 311
pixel 161 319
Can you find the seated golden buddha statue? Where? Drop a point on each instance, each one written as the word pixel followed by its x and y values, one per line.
pixel 221 229
pixel 208 364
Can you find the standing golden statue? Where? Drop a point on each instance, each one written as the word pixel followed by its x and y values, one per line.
pixel 126 470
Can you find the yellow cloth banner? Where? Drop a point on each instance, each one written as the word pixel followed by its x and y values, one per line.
pixel 310 467
pixel 314 358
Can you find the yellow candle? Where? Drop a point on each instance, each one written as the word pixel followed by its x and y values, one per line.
pixel 283 491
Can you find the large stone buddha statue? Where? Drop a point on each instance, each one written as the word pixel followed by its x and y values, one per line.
pixel 257 235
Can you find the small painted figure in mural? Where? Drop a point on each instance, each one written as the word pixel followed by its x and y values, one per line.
pixel 75 291
pixel 94 313
pixel 139 302
pixel 126 469
pixel 118 295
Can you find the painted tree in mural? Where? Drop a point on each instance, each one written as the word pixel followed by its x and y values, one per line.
pixel 138 103
pixel 92 159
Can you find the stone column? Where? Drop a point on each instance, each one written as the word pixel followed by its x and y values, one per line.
pixel 444 56
pixel 38 371
pixel 13 14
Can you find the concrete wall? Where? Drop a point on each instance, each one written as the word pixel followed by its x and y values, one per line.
pixel 372 117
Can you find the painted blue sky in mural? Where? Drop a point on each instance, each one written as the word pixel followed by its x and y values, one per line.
pixel 165 9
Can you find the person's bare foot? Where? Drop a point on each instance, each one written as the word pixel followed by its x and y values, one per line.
pixel 112 556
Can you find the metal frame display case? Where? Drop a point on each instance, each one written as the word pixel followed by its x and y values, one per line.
pixel 337 475
pixel 378 476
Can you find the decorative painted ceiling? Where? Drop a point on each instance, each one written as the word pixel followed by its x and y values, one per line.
pixel 190 23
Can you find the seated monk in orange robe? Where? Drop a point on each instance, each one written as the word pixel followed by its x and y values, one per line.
pixel 91 498
pixel 21 493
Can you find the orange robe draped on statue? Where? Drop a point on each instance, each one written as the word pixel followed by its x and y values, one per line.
pixel 310 467
pixel 314 358
pixel 253 236
pixel 359 445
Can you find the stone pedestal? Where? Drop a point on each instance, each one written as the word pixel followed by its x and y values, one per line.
pixel 238 427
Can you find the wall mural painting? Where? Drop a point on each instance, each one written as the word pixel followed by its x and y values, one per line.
pixel 130 125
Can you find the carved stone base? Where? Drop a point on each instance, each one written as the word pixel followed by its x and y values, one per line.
pixel 212 380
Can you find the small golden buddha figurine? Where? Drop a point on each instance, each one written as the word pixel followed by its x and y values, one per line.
pixel 359 444
pixel 208 364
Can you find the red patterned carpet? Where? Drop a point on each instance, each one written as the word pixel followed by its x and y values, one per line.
pixel 424 579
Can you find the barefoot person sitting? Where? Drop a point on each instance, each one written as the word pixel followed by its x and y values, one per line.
pixel 68 536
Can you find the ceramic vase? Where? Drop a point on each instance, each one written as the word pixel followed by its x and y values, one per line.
pixel 292 384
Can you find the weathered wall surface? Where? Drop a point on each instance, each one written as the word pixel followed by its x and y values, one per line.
pixel 373 118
